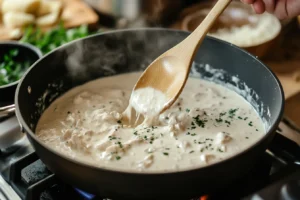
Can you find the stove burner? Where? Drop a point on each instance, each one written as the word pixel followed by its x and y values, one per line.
pixel 85 195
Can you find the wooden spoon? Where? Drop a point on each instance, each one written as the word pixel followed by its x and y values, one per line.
pixel 169 72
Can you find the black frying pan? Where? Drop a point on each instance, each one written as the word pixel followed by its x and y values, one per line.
pixel 132 50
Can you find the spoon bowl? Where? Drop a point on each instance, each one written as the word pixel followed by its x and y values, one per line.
pixel 169 78
pixel 169 72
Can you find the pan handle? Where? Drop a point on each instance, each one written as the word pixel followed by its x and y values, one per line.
pixel 7 110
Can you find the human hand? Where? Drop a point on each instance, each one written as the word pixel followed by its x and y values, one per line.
pixel 281 8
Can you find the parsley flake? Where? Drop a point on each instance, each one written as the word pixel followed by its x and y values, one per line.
pixel 222 114
pixel 250 123
pixel 118 157
pixel 219 120
pixel 227 122
pixel 199 122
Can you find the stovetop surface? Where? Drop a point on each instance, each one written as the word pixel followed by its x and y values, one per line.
pixel 275 176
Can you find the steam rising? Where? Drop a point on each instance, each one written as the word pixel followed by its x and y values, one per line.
pixel 118 52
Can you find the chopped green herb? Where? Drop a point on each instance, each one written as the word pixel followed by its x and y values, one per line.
pixel 232 111
pixel 219 120
pixel 118 157
pixel 220 150
pixel 193 134
pixel 240 117
pixel 256 129
pixel 165 153
pixel 227 122
pixel 49 40
pixel 222 114
pixel 247 137
pixel 187 110
pixel 250 123
pixel 112 137
pixel 135 133
pixel 199 122
pixel 191 151
pixel 245 118
pixel 188 133
pixel 11 67
pixel 119 121
pixel 120 144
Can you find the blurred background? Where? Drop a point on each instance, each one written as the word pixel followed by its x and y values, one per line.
pixel 48 24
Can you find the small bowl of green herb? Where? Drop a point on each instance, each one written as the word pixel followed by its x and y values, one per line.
pixel 15 60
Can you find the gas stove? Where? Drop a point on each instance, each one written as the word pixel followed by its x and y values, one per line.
pixel 25 177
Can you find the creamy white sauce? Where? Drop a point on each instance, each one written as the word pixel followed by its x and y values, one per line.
pixel 148 101
pixel 206 124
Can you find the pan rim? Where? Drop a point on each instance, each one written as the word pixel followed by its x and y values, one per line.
pixel 26 128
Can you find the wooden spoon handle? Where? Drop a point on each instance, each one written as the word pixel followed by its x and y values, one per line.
pixel 194 40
